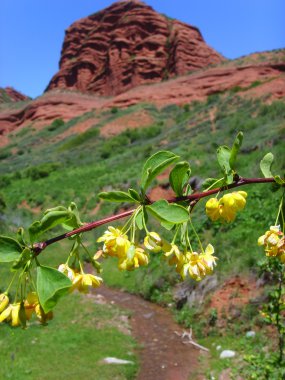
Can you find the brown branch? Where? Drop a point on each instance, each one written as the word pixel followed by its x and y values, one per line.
pixel 39 247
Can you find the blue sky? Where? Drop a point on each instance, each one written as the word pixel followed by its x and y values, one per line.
pixel 32 31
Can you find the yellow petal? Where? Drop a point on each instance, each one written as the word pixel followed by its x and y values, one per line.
pixel 4 301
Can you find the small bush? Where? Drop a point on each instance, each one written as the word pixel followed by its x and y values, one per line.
pixel 41 171
pixel 5 154
pixel 114 110
pixel 57 123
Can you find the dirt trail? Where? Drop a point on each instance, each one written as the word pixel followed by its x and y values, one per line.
pixel 163 355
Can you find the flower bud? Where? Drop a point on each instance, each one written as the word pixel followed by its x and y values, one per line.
pixel 4 301
pixel 153 242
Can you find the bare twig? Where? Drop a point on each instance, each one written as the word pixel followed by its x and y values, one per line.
pixel 186 338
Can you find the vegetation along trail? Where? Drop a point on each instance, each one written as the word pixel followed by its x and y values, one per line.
pixel 163 356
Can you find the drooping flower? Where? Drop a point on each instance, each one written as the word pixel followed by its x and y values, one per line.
pixel 30 304
pixel 4 301
pixel 65 269
pixel 116 243
pixel 82 282
pixel 195 266
pixel 230 203
pixel 175 257
pixel 135 258
pixel 42 316
pixel 273 241
pixel 227 207
pixel 213 209
pixel 11 314
pixel 208 259
pixel 153 242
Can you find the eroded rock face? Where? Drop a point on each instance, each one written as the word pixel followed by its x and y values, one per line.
pixel 9 94
pixel 125 45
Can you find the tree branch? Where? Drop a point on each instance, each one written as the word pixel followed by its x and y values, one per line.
pixel 39 247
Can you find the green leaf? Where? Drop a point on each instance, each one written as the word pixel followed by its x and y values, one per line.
pixel 20 236
pixel 58 208
pixel 167 225
pixel 235 149
pixel 10 249
pixel 139 218
pixel 210 183
pixel 155 165
pixel 74 221
pixel 279 180
pixel 25 256
pixel 179 176
pixel 171 213
pixel 135 195
pixel 223 154
pixel 265 165
pixel 116 196
pixel 49 220
pixel 23 315
pixel 51 286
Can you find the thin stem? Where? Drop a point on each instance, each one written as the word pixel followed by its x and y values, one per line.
pixel 197 236
pixel 278 322
pixel 11 283
pixel 279 210
pixel 39 247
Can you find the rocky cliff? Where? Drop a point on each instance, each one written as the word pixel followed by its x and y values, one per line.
pixel 125 45
pixel 9 94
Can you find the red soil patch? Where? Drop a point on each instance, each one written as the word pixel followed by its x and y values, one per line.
pixel 234 293
pixel 159 192
pixel 34 210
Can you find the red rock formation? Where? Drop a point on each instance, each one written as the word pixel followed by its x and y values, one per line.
pixel 125 45
pixel 9 94
pixel 270 78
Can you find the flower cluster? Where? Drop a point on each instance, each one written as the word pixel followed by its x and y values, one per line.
pixel 226 207
pixel 274 243
pixel 117 244
pixel 18 313
pixel 197 265
pixel 80 281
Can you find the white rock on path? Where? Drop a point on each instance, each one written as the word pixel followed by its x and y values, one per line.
pixel 116 361
pixel 227 354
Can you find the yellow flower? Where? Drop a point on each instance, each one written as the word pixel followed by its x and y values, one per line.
pixel 227 207
pixel 42 316
pixel 273 241
pixel 65 269
pixel 192 263
pixel 11 314
pixel 195 266
pixel 4 301
pixel 231 203
pixel 175 257
pixel 208 259
pixel 153 242
pixel 136 257
pixel 116 243
pixel 213 209
pixel 83 281
pixel 30 304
